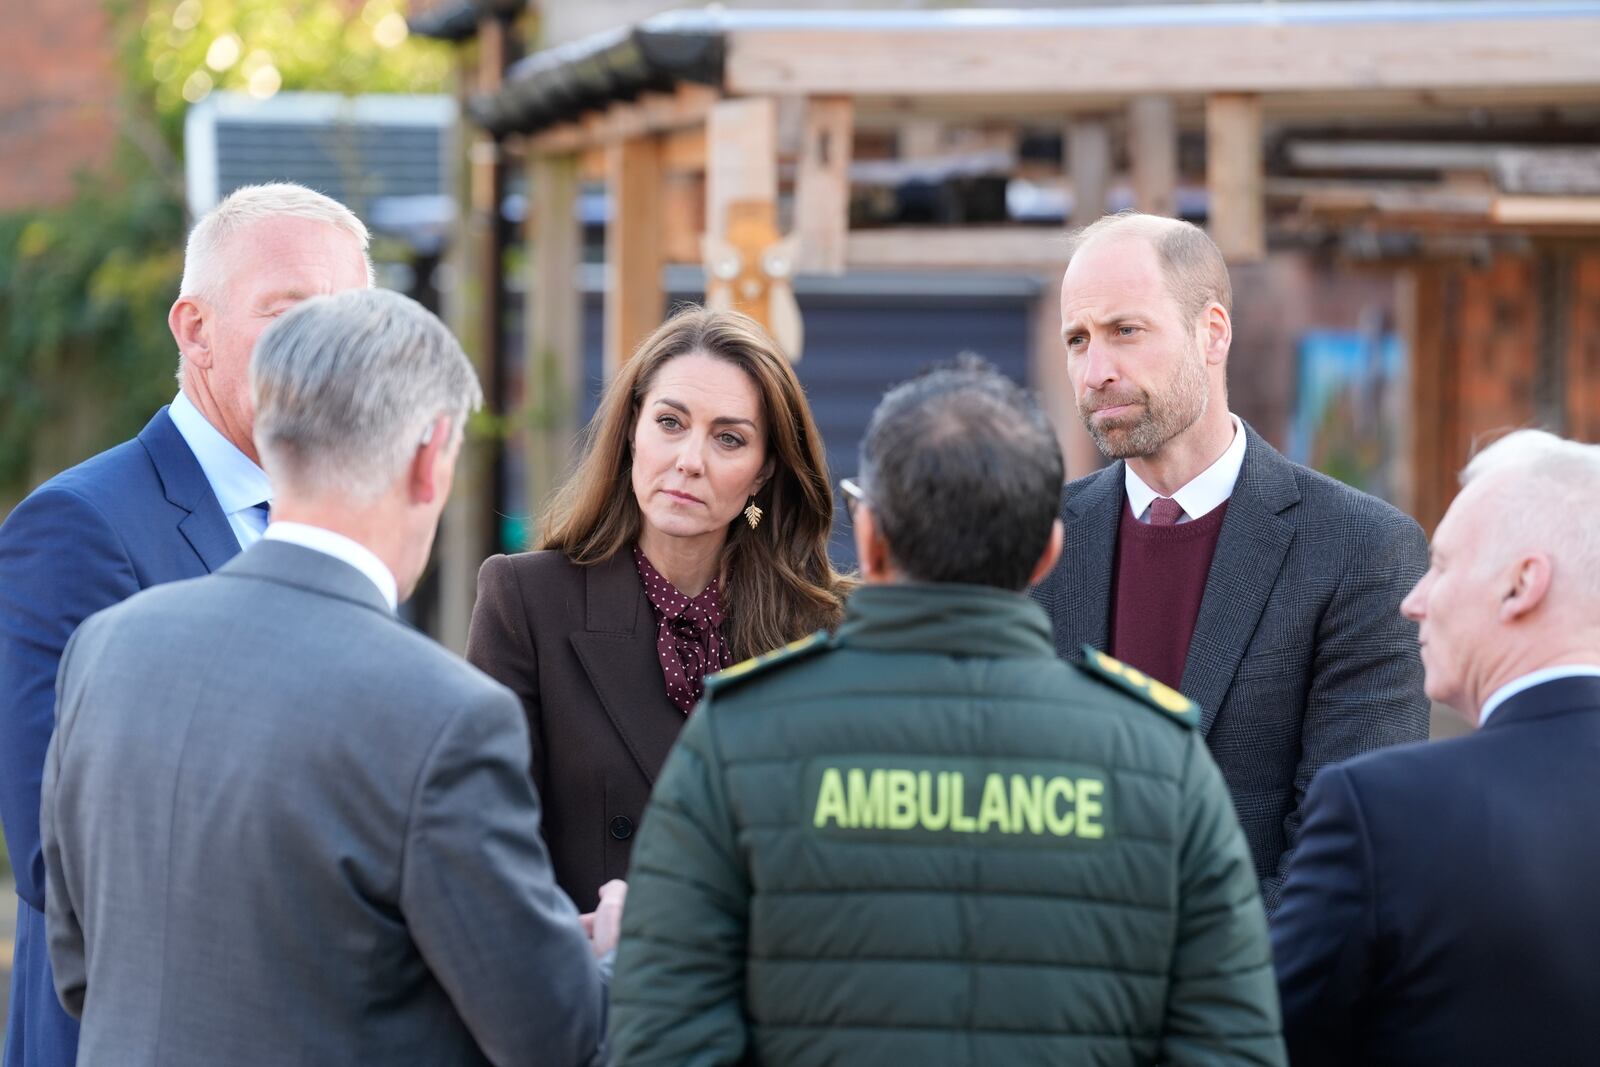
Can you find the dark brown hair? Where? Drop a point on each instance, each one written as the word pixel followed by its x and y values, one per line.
pixel 777 582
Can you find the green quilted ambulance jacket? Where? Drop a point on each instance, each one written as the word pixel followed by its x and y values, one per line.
pixel 927 840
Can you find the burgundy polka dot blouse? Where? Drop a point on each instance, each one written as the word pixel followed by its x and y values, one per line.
pixel 688 635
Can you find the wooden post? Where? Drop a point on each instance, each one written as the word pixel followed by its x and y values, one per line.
pixel 741 158
pixel 553 352
pixel 634 299
pixel 468 530
pixel 1088 145
pixel 1153 145
pixel 742 206
pixel 1234 176
pixel 822 187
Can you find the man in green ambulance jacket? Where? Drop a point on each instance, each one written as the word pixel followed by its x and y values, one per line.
pixel 928 840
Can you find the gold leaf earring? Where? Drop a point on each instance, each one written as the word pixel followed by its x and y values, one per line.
pixel 752 514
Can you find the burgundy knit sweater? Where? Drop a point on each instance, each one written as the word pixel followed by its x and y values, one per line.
pixel 1156 585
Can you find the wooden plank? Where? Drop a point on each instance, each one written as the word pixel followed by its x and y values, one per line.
pixel 1088 143
pixel 977 247
pixel 683 215
pixel 741 157
pixel 1583 349
pixel 552 381
pixel 1546 210
pixel 634 297
pixel 1358 54
pixel 822 184
pixel 1153 150
pixel 684 151
pixel 592 164
pixel 1234 174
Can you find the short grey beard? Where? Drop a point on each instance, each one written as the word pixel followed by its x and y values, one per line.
pixel 1162 420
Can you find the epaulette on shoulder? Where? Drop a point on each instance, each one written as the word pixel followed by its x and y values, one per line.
pixel 793 652
pixel 1131 680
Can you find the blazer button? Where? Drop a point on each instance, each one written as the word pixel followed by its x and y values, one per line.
pixel 622 828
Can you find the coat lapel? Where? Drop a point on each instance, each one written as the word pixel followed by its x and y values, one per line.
pixel 1080 601
pixel 205 527
pixel 617 648
pixel 1250 551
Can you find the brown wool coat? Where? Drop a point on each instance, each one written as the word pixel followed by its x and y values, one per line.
pixel 578 647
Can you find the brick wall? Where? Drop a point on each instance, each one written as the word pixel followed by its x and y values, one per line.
pixel 57 99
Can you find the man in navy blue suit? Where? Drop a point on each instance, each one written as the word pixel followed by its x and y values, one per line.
pixel 178 501
pixel 1441 906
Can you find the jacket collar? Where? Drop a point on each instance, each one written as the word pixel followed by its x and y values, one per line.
pixel 184 483
pixel 617 650
pixel 1560 696
pixel 971 620
pixel 1250 552
pixel 285 563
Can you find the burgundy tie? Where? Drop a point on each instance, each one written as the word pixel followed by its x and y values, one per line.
pixel 1164 511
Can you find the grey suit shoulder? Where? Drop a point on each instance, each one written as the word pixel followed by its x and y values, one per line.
pixel 268 804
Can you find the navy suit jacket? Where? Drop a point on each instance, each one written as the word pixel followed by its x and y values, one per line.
pixel 1441 906
pixel 132 517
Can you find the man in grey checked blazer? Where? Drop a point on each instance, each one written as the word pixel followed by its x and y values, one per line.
pixel 1277 610
pixel 279 825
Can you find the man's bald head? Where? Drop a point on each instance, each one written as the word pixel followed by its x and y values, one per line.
pixel 1536 492
pixel 1191 262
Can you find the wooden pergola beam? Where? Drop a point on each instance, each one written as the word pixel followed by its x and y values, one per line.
pixel 1008 248
pixel 1264 57
pixel 822 184
pixel 1153 152
pixel 552 350
pixel 635 248
pixel 684 108
pixel 1088 143
pixel 1234 176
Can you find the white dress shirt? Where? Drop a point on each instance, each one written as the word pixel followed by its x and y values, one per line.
pixel 1205 492
pixel 1528 681
pixel 237 482
pixel 342 549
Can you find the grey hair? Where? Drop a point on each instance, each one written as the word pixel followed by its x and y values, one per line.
pixel 345 387
pixel 1193 265
pixel 202 270
pixel 1544 500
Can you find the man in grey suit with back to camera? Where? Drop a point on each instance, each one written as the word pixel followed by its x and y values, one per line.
pixel 279 825
pixel 1265 592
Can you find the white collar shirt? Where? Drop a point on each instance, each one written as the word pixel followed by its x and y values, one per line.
pixel 238 483
pixel 1528 681
pixel 1204 493
pixel 343 549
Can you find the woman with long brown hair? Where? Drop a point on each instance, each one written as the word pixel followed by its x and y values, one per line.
pixel 692 534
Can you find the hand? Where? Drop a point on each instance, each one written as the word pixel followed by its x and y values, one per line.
pixel 604 923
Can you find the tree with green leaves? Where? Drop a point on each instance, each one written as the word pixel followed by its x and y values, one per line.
pixel 85 356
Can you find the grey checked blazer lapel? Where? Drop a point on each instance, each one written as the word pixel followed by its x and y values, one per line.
pixel 1078 599
pixel 1250 551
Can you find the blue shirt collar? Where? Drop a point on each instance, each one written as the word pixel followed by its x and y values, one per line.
pixel 237 482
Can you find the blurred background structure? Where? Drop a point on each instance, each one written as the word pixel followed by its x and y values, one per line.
pixel 1408 191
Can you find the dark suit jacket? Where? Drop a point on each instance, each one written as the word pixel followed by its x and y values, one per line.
pixel 578 646
pixel 1300 656
pixel 1441 906
pixel 135 516
pixel 282 827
